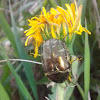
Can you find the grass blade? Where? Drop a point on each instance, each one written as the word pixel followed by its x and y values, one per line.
pixel 7 30
pixel 39 1
pixel 81 91
pixel 3 93
pixel 86 67
pixel 84 4
pixel 5 74
pixel 22 54
pixel 63 2
pixel 11 75
pixel 98 97
pixel 18 80
pixel 53 3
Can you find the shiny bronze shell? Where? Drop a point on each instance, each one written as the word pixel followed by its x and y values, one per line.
pixel 55 60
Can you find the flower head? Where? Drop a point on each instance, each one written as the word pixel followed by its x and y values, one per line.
pixel 51 24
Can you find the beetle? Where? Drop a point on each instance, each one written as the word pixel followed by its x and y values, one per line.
pixel 56 60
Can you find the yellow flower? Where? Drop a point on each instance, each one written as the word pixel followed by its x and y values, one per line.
pixel 82 29
pixel 72 17
pixel 56 23
pixel 38 40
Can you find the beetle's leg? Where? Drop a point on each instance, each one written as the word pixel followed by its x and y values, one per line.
pixel 69 84
pixel 46 74
pixel 75 58
pixel 70 80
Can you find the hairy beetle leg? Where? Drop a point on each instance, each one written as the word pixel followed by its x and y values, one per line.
pixel 74 84
pixel 76 58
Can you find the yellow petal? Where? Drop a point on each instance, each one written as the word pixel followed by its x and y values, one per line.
pixel 36 51
pixel 30 31
pixel 82 29
pixel 73 10
pixel 64 29
pixel 33 29
pixel 78 32
pixel 33 23
pixel 34 18
pixel 70 12
pixel 53 11
pixel 62 11
pixel 65 15
pixel 77 20
pixel 76 6
pixel 58 31
pixel 38 38
pixel 26 42
pixel 52 32
pixel 85 30
pixel 44 11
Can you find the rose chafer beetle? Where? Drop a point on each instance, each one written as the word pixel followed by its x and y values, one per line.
pixel 56 60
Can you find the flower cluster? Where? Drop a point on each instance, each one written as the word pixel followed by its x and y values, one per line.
pixel 52 23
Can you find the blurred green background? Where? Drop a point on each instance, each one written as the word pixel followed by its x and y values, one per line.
pixel 26 81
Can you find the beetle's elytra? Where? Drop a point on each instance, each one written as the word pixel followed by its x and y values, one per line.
pixel 55 60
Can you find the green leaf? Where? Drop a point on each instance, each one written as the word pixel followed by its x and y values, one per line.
pixel 43 80
pixel 70 46
pixel 84 4
pixel 98 97
pixel 86 67
pixel 63 2
pixel 7 30
pixel 54 91
pixel 11 75
pixel 3 93
pixel 68 92
pixel 81 91
pixel 58 92
pixel 22 54
pixel 53 3
pixel 44 3
pixel 20 84
pixel 5 74
pixel 75 66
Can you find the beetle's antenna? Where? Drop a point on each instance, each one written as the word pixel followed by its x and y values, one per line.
pixel 30 61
